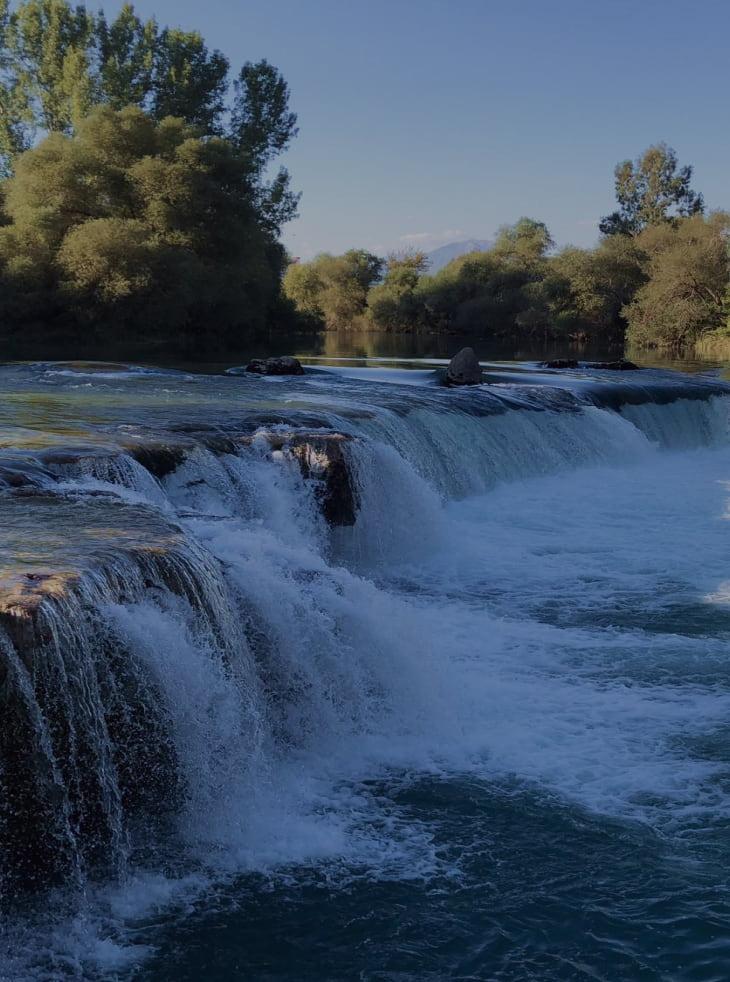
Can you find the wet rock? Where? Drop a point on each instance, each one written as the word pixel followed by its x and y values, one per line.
pixel 464 369
pixel 285 365
pixel 86 742
pixel 615 366
pixel 560 363
pixel 159 457
pixel 321 457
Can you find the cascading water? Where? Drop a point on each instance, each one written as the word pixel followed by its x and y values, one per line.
pixel 287 628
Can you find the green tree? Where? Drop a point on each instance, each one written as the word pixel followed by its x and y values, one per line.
pixel 594 285
pixel 687 274
pixel 57 61
pixel 523 244
pixel 394 305
pixel 333 289
pixel 262 126
pixel 650 191
pixel 127 52
pixel 189 81
pixel 47 69
pixel 494 293
pixel 137 226
pixel 15 112
pixel 304 287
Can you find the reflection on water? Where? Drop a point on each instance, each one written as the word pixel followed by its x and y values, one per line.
pixel 363 345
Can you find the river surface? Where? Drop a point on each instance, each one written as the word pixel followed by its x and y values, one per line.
pixel 481 734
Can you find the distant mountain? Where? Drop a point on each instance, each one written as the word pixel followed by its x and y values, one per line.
pixel 445 253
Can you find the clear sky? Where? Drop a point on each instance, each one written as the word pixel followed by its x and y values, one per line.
pixel 427 121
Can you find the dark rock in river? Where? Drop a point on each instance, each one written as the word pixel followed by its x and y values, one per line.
pixel 322 458
pixel 615 366
pixel 560 363
pixel 464 369
pixel 286 365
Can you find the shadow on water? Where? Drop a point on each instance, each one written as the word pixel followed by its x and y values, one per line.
pixel 358 345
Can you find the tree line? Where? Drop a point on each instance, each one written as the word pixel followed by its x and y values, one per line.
pixel 137 196
pixel 140 200
pixel 659 276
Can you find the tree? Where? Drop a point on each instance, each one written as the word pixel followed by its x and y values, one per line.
pixel 188 80
pixel 524 243
pixel 687 273
pixel 132 225
pixel 651 190
pixel 45 82
pixel 498 292
pixel 127 51
pixel 333 289
pixel 57 61
pixel 262 126
pixel 394 305
pixel 597 284
pixel 304 287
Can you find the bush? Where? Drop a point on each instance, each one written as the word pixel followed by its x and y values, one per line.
pixel 139 226
pixel 687 270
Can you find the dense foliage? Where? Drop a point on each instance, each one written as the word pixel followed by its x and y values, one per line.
pixel 687 270
pixel 650 191
pixel 139 226
pixel 333 290
pixel 137 198
pixel 659 276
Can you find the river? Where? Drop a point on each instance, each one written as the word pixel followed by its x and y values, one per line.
pixel 353 676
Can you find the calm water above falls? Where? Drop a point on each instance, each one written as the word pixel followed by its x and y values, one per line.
pixel 481 733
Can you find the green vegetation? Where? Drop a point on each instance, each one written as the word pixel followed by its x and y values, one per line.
pixel 659 276
pixel 687 269
pixel 651 191
pixel 137 201
pixel 333 290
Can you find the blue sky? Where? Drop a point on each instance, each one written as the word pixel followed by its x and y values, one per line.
pixel 425 122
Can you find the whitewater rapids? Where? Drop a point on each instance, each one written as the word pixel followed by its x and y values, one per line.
pixel 522 639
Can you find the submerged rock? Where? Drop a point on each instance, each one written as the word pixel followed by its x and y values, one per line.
pixel 285 365
pixel 615 366
pixel 560 363
pixel 464 368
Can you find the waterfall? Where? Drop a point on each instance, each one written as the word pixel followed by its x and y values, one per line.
pixel 210 612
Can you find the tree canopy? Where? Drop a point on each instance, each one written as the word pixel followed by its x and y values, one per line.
pixel 58 61
pixel 687 272
pixel 139 227
pixel 137 198
pixel 333 289
pixel 651 190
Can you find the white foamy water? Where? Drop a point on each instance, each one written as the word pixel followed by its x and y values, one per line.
pixel 532 597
